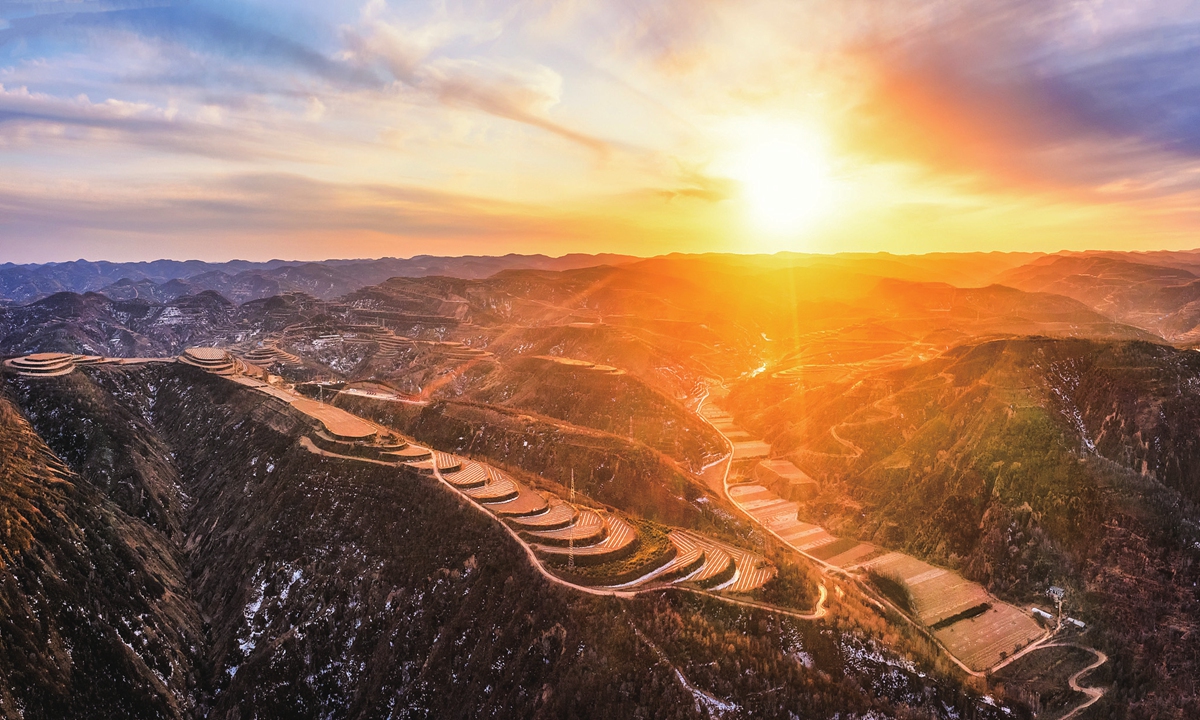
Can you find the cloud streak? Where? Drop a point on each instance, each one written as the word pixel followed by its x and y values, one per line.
pixel 522 92
pixel 1039 93
pixel 588 122
pixel 81 121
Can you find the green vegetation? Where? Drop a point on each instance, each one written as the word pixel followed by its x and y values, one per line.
pixel 794 586
pixel 654 549
pixel 894 590
pixel 836 547
pixel 1025 463
pixel 964 615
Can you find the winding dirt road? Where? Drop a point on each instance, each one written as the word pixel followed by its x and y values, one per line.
pixel 1093 693
pixel 818 612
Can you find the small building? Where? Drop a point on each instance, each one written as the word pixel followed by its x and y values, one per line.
pixel 1038 612
pixel 1056 593
pixel 1077 623
pixel 789 481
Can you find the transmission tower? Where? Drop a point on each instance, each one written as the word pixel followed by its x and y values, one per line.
pixel 571 536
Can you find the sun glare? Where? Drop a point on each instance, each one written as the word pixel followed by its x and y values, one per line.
pixel 784 174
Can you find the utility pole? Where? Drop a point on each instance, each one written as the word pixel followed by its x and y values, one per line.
pixel 571 537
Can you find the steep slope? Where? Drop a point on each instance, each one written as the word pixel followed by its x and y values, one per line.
pixel 93 324
pixel 598 397
pixel 94 615
pixel 614 470
pixel 336 588
pixel 1163 299
pixel 1025 463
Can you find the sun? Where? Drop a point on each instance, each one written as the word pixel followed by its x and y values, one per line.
pixel 784 175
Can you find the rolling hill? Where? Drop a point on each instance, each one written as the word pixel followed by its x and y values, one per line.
pixel 187 557
pixel 1026 463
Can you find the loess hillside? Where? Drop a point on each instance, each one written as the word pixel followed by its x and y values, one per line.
pixel 1026 463
pixel 198 562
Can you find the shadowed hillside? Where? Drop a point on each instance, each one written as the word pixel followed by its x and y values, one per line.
pixel 94 611
pixel 335 588
pixel 239 280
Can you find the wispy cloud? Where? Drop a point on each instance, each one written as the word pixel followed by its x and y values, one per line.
pixel 1054 93
pixel 521 91
pixel 291 215
pixel 27 117
pixel 584 120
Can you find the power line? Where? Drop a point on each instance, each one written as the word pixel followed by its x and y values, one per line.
pixel 571 536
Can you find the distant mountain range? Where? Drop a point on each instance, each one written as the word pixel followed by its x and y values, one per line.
pixel 1159 292
pixel 240 280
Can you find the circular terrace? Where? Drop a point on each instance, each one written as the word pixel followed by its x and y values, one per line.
pixel 42 364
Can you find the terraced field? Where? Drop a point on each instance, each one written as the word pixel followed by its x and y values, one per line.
pixel 976 628
pixel 528 502
pixel 689 557
pixel 717 561
pixel 584 364
pixel 940 594
pixel 752 573
pixel 445 462
pixel 555 531
pixel 559 514
pixel 588 527
pixel 269 353
pixel 982 642
pixel 745 449
pixel 496 490
pixel 471 474
pixel 410 454
pixel 937 593
pixel 618 536
pixel 338 422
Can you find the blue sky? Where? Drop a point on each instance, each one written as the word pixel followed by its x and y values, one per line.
pixel 134 130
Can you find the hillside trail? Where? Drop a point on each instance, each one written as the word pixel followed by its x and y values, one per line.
pixel 855 451
pixel 825 567
pixel 819 611
pixel 704 700
pixel 1093 693
pixel 1047 641
pixel 893 412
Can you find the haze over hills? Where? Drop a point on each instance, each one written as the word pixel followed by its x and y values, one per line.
pixel 240 280
pixel 1163 298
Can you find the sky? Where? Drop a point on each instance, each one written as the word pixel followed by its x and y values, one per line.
pixel 135 129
